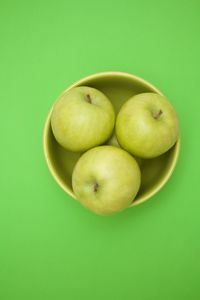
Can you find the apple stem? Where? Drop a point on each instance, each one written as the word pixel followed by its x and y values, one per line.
pixel 158 114
pixel 88 98
pixel 96 186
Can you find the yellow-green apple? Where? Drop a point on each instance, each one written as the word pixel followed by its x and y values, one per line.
pixel 147 125
pixel 114 142
pixel 106 179
pixel 82 117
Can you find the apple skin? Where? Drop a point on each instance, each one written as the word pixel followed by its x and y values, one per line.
pixel 82 118
pixel 114 142
pixel 106 179
pixel 147 125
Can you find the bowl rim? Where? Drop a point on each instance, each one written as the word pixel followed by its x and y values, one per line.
pixel 176 150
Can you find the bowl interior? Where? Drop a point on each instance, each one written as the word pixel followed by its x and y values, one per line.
pixel 118 87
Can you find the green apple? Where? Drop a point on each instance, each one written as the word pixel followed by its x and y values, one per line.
pixel 114 142
pixel 83 117
pixel 106 179
pixel 147 125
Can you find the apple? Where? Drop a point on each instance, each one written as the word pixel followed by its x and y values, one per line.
pixel 106 179
pixel 147 125
pixel 114 142
pixel 83 117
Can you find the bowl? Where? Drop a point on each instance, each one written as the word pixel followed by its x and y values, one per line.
pixel 119 87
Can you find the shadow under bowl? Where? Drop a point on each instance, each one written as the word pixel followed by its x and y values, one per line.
pixel 119 87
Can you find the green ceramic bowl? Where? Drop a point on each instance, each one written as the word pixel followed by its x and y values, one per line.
pixel 118 87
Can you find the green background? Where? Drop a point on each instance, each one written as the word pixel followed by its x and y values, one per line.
pixel 51 247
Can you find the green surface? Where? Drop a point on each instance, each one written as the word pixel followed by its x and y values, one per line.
pixel 52 248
